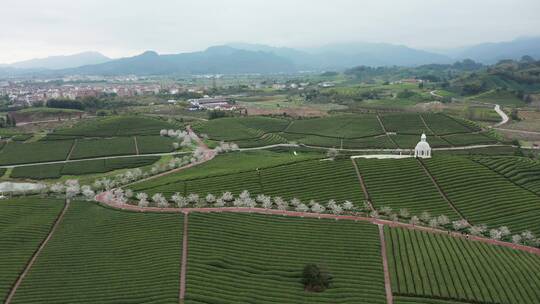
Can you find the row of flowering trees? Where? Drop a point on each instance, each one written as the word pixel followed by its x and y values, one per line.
pixel 502 233
pixel 245 200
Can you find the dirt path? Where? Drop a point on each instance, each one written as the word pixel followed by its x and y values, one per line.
pixel 136 145
pixel 208 154
pixel 183 266
pixel 350 217
pixel 504 117
pixel 441 192
pixel 36 254
pixel 72 149
pixel 431 131
pixel 387 282
pixel 363 185
pixel 385 132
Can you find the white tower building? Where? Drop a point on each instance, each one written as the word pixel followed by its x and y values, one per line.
pixel 422 149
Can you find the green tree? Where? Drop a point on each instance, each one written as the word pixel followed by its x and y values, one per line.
pixel 315 279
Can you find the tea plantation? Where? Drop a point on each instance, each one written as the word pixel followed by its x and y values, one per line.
pixel 24 224
pixel 98 255
pixel 485 197
pixel 426 265
pixel 235 258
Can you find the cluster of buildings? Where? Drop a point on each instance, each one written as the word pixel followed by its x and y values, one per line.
pixel 212 103
pixel 25 94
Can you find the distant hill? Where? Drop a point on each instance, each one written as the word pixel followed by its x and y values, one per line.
pixel 346 55
pixel 61 62
pixel 491 53
pixel 219 59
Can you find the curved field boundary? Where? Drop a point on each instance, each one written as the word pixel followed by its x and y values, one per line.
pixel 100 198
pixel 36 254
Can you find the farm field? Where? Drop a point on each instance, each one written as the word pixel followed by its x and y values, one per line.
pixel 504 98
pixel 469 139
pixel 341 126
pixel 522 171
pixel 402 183
pixel 106 256
pixel 24 224
pixel 240 258
pixel 52 171
pixel 92 148
pixel 221 165
pixel 485 197
pixel 116 126
pixel 242 128
pixel 427 265
pixel 407 141
pixel 20 153
pixel 154 144
pixel 348 131
pixel 404 124
pixel 305 180
pixel 442 124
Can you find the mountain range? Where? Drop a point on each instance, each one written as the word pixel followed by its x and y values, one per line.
pixel 243 58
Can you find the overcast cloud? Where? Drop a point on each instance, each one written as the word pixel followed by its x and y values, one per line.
pixel 39 28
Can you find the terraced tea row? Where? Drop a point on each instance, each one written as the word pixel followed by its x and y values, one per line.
pixel 24 224
pixel 305 180
pixel 58 150
pixel 427 265
pixel 235 258
pixel 116 126
pixel 80 168
pixel 485 197
pixel 522 171
pixel 105 256
pixel 402 183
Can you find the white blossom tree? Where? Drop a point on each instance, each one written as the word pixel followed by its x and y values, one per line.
pixel 227 197
pixel 348 206
pixel 415 220
pixel 219 203
pixel 477 230
pixel 57 188
pixel 404 213
pixel 443 220
pixel 433 223
pixel 143 199
pixel 425 217
pixel 295 202
pixel 317 208
pixel 505 231
pixel 193 198
pixel 385 210
pixel 160 200
pixel 495 234
pixel 302 208
pixel 179 200
pixel 460 225
pixel 210 198
pixel 516 239
pixel 374 214
pixel 87 192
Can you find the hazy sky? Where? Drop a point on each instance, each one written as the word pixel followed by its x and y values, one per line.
pixel 39 28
